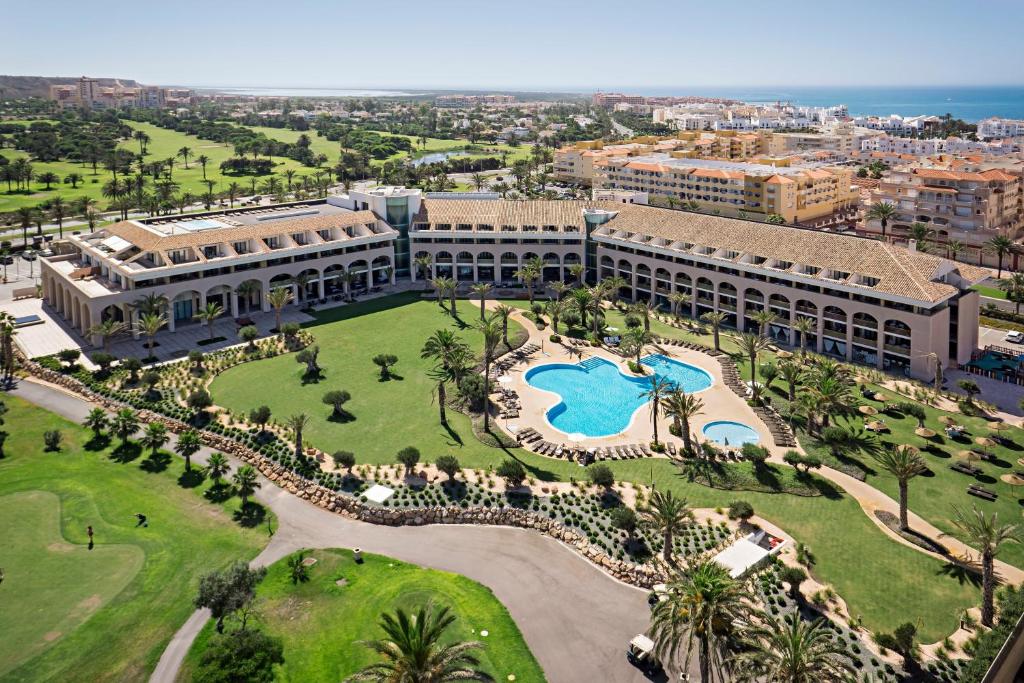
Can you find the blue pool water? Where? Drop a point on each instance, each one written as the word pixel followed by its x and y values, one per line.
pixel 727 433
pixel 598 400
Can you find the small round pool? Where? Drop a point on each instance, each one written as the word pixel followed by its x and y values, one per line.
pixel 728 433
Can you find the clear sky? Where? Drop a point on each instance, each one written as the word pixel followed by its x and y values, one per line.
pixel 518 44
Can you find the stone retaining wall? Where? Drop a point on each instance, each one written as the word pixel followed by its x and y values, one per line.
pixel 638 575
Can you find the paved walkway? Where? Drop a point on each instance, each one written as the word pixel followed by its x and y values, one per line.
pixel 575 618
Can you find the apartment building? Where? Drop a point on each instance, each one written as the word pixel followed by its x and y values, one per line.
pixel 610 99
pixel 88 93
pixel 797 193
pixel 1000 128
pixel 969 205
pixel 233 258
pixel 870 302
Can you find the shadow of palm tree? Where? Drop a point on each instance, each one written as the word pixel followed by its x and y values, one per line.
pixel 218 493
pixel 963 573
pixel 452 434
pixel 250 515
pixel 98 442
pixel 191 479
pixel 126 452
pixel 156 462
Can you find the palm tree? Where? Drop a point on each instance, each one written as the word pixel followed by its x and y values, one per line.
pixel 106 330
pixel 764 320
pixel 881 212
pixel 58 211
pixel 612 287
pixel 278 298
pixel 953 248
pixel 440 285
pixel 481 289
pixel 528 275
pixel 634 341
pixel 791 374
pixel 295 424
pixel 715 319
pixel 148 325
pixel 124 424
pixel 415 648
pixel 154 436
pixel 556 310
pixel 1000 245
pixel 750 346
pixel 188 445
pixel 150 303
pixel 203 160
pixel 185 153
pixel 1014 288
pixel 699 615
pixel 904 464
pixel 97 420
pixel 503 312
pixel 682 407
pixel 583 300
pixel 479 181
pixel 244 291
pixel 922 236
pixel 246 483
pixel 491 332
pixel 217 466
pixel 209 314
pixel 676 301
pixel 422 264
pixel 234 191
pixel 986 533
pixel 832 395
pixel 668 515
pixel 794 651
pixel 656 394
pixel 804 326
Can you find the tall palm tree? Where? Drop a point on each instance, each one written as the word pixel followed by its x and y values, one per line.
pixel 185 153
pixel 904 464
pixel 583 299
pixel 794 651
pixel 209 314
pixel 1000 245
pixel 668 515
pixel 416 648
pixel 440 285
pixel 881 212
pixel 832 395
pixel 676 301
pixel 634 341
pixel 217 466
pixel 764 320
pixel 125 424
pixel 503 312
pixel 423 264
pixel 154 436
pixel 559 288
pixel 953 248
pixel 107 330
pixel 234 191
pixel 750 346
pixel 791 374
pixel 804 326
pixel 715 319
pixel 148 325
pixel 150 303
pixel 58 211
pixel 97 420
pixel 481 289
pixel 682 407
pixel 246 482
pixel 556 309
pixel 660 388
pixel 613 285
pixel 491 332
pixel 698 617
pixel 1014 288
pixel 988 536
pixel 296 424
pixel 203 160
pixel 189 443
pixel 244 291
pixel 278 298
pixel 479 181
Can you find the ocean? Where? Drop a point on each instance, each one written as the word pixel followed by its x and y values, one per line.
pixel 970 103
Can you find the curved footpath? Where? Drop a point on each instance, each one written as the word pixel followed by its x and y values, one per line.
pixel 575 618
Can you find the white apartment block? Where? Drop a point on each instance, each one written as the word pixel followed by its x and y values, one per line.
pixel 1000 128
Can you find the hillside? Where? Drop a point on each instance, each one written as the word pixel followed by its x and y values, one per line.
pixel 17 87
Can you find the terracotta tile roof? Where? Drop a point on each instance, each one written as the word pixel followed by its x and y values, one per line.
pixel 499 212
pixel 898 271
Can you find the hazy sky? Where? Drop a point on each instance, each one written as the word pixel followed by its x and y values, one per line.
pixel 577 45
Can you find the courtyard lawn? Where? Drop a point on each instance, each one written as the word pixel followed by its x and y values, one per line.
pixel 990 291
pixel 322 622
pixel 105 614
pixel 883 581
pixel 384 416
pixel 164 144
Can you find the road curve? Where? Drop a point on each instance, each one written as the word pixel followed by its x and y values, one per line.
pixel 575 618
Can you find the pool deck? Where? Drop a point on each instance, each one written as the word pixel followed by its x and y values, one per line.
pixel 720 403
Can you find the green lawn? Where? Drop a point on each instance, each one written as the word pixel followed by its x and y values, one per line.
pixel 865 566
pixel 993 292
pixel 105 614
pixel 386 416
pixel 321 622
pixel 164 144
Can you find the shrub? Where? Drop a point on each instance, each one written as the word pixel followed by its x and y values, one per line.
pixel 555 339
pixel 337 400
pixel 636 368
pixel 624 518
pixel 290 329
pixel 601 475
pixel 755 453
pixel 741 509
pixel 512 471
pixel 199 400
pixel 344 459
pixel 69 356
pixel 103 359
pixel 52 439
pixel 448 464
pixel 408 457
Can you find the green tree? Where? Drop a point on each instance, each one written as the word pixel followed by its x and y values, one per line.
pixel 794 651
pixel 337 400
pixel 512 471
pixel 481 289
pixel 154 437
pixel 246 482
pixel 448 464
pixel 125 424
pixel 188 445
pixel 217 466
pixel 246 656
pixel 715 319
pixel 278 298
pixel 417 647
pixel 988 536
pixel 1000 245
pixel 659 390
pixel 298 570
pixel 750 346
pixel 668 515
pixel 208 314
pixel 385 361
pixel 882 212
pixel 296 424
pixel 227 591
pixel 794 576
pixel 408 457
pixel 682 407
pixel 491 333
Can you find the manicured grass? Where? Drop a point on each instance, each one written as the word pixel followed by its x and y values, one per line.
pixel 164 144
pixel 989 291
pixel 885 582
pixel 102 615
pixel 386 416
pixel 321 623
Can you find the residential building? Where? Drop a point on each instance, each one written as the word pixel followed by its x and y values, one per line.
pixel 797 193
pixel 200 258
pixel 967 205
pixel 610 99
pixel 1000 128
pixel 87 93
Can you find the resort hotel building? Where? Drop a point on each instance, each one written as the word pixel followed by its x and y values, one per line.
pixel 868 301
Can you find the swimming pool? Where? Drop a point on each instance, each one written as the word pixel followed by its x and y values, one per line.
pixel 729 433
pixel 598 400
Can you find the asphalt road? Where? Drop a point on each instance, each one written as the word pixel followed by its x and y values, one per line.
pixel 575 618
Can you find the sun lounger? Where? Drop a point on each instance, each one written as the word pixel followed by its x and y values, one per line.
pixel 981 492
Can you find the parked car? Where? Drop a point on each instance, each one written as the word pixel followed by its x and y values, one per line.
pixel 1014 337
